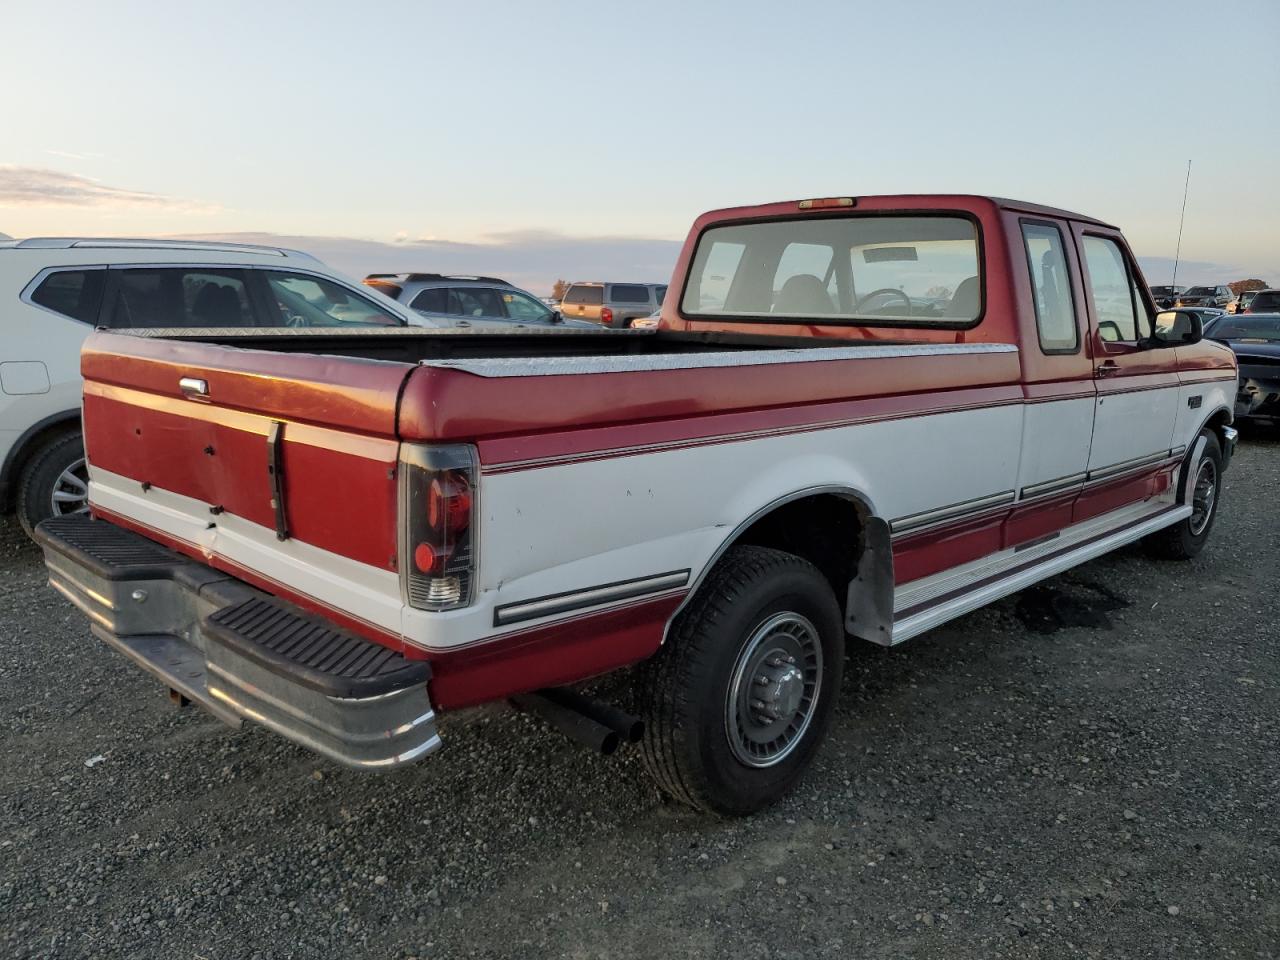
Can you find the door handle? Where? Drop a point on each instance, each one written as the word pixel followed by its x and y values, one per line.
pixel 1107 368
pixel 194 387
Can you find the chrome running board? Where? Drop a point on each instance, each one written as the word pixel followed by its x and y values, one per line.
pixel 932 601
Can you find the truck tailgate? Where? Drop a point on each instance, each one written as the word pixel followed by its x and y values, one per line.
pixel 187 441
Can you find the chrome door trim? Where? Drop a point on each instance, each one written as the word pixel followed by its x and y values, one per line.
pixel 588 597
pixel 916 521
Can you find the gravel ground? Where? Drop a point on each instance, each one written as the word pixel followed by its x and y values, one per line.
pixel 1087 769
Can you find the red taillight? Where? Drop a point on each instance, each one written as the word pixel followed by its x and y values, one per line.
pixel 606 315
pixel 449 502
pixel 425 557
pixel 437 499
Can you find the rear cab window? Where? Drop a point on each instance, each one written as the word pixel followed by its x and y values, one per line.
pixel 628 293
pixel 864 270
pixel 73 293
pixel 585 294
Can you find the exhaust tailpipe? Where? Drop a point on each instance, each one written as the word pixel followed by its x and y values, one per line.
pixel 630 728
pixel 592 734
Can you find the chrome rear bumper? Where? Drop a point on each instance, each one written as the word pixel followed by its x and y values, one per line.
pixel 240 653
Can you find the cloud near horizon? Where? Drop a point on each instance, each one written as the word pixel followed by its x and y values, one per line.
pixel 42 187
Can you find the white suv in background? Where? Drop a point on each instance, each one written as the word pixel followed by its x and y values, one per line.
pixel 54 291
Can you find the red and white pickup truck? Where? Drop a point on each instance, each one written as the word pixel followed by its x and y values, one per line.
pixel 861 417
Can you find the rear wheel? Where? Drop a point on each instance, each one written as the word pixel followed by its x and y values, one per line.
pixel 54 482
pixel 1186 538
pixel 741 695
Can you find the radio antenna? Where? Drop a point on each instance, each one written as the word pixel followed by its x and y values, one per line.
pixel 1182 219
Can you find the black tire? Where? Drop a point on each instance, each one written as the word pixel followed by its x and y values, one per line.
pixel 685 689
pixel 43 474
pixel 1186 538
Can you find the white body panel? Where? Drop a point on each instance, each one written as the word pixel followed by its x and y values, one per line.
pixel 1131 425
pixel 1055 441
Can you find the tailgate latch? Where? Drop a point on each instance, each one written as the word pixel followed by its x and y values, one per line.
pixel 275 470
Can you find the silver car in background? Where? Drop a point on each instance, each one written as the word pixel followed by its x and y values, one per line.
pixel 466 301
pixel 612 304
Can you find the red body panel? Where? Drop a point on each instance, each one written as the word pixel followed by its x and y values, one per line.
pixel 551 655
pixel 339 418
pixel 445 404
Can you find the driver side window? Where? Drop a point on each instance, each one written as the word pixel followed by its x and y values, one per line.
pixel 520 307
pixel 303 300
pixel 1112 291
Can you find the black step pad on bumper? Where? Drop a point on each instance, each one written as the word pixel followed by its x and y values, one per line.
pixel 309 650
pixel 109 551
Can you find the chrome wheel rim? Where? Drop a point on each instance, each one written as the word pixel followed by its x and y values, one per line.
pixel 71 490
pixel 1204 496
pixel 774 690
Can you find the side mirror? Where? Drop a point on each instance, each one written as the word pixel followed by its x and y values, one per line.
pixel 1177 328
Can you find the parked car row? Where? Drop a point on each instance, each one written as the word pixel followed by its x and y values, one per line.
pixel 1216 297
pixel 59 289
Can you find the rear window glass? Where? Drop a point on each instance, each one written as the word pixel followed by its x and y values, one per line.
pixel 584 294
pixel 891 269
pixel 629 293
pixel 73 293
pixel 660 294
pixel 1265 301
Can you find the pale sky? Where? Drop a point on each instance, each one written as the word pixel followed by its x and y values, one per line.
pixel 512 124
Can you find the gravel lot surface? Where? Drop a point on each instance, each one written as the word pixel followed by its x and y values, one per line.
pixel 1090 768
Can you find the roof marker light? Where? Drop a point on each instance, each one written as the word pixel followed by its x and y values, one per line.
pixel 826 202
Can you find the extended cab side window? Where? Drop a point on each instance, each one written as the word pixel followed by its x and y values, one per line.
pixel 1111 289
pixel 1051 288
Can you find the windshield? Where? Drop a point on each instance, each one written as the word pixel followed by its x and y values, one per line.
pixel 874 269
pixel 1248 328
